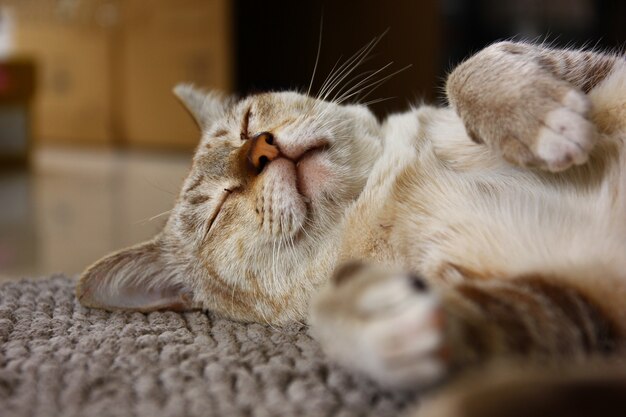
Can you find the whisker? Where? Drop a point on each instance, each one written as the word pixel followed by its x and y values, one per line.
pixel 329 77
pixel 330 74
pixel 360 83
pixel 317 57
pixel 378 100
pixel 303 228
pixel 374 85
pixel 156 216
pixel 353 80
pixel 353 64
pixel 232 301
pixel 266 320
pixel 360 57
pixel 335 72
pixel 350 61
pixel 158 187
pixel 348 67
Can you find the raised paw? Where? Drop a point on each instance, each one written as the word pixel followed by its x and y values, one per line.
pixel 385 323
pixel 517 103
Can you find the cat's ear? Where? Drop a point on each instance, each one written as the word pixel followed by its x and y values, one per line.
pixel 204 106
pixel 137 278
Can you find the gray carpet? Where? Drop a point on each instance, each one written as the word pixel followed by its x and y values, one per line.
pixel 58 358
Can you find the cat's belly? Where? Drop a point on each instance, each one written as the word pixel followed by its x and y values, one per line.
pixel 506 226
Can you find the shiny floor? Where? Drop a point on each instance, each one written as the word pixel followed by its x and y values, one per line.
pixel 72 207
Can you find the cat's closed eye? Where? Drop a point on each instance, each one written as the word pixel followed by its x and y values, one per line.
pixel 221 200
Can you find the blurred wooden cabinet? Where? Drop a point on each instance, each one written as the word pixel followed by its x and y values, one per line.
pixel 107 67
pixel 72 103
pixel 164 44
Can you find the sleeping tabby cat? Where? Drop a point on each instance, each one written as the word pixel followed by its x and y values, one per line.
pixel 437 239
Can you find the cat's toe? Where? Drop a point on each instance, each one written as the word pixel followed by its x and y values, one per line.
pixel 566 139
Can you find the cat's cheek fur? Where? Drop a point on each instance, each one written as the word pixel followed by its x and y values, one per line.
pixel 315 176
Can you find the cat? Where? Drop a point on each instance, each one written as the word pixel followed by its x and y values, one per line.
pixel 437 239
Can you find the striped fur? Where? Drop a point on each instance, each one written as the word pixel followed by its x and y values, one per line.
pixel 528 316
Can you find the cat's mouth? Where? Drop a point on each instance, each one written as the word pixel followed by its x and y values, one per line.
pixel 307 169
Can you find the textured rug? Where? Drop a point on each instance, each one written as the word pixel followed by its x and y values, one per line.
pixel 58 358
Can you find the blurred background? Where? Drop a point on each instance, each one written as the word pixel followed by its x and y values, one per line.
pixel 93 145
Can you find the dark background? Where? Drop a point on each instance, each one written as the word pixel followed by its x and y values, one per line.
pixel 276 41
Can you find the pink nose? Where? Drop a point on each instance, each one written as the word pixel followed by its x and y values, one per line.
pixel 262 151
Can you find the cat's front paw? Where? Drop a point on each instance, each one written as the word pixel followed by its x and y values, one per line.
pixel 514 102
pixel 385 323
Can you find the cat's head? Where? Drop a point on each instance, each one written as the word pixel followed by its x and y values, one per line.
pixel 255 229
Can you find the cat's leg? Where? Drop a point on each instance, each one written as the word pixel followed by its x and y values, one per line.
pixel 529 103
pixel 391 326
pixel 531 317
pixel 382 322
